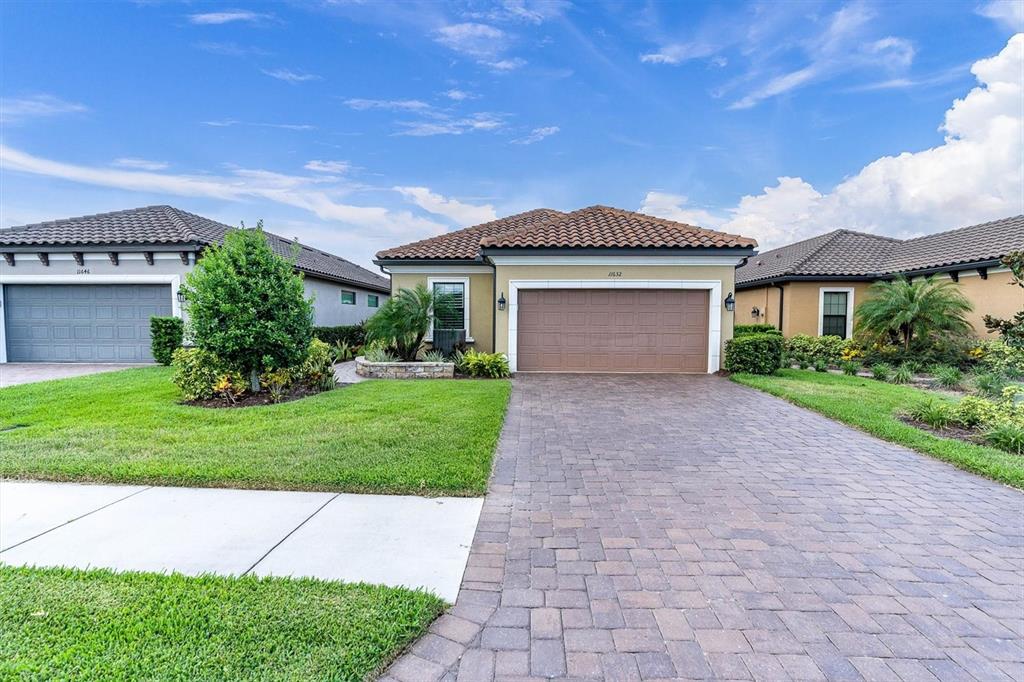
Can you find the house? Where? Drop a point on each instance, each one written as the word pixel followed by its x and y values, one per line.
pixel 595 290
pixel 83 289
pixel 813 286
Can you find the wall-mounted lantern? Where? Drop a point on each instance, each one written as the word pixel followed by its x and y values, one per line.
pixel 755 312
pixel 181 296
pixel 501 301
pixel 730 302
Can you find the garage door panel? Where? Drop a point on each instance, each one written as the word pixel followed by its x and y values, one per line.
pixel 601 330
pixel 82 322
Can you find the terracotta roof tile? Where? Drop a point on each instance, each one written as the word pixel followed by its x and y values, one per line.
pixel 593 227
pixel 169 225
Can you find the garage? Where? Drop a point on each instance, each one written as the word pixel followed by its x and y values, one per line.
pixel 81 322
pixel 613 330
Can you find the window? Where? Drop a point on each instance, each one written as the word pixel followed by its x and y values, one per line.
pixel 450 312
pixel 348 297
pixel 372 301
pixel 835 312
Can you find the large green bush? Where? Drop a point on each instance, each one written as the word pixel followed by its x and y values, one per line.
pixel 803 348
pixel 754 353
pixel 247 306
pixel 352 334
pixel 745 329
pixel 165 335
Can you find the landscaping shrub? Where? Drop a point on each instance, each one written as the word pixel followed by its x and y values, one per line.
pixel 947 376
pixel 850 368
pixel 934 413
pixel 433 355
pixel 317 370
pixel 881 371
pixel 276 382
pixel 809 350
pixel 493 365
pixel 903 374
pixel 247 306
pixel 923 309
pixel 989 383
pixel 404 319
pixel 378 353
pixel 972 411
pixel 999 358
pixel 342 351
pixel 820 366
pixel 1011 330
pixel 1006 436
pixel 196 372
pixel 352 334
pixel 745 329
pixel 165 335
pixel 754 353
pixel 800 349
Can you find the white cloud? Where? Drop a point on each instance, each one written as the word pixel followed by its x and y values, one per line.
pixel 229 122
pixel 387 104
pixel 290 76
pixel 1009 13
pixel 537 134
pixel 502 65
pixel 242 185
pixel 675 207
pixel 458 95
pixel 476 40
pixel 530 11
pixel 461 214
pixel 444 125
pixel 229 49
pixel 677 53
pixel 139 164
pixel 333 167
pixel 17 109
pixel 975 175
pixel 226 17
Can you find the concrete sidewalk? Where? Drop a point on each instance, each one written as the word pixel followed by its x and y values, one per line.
pixel 386 539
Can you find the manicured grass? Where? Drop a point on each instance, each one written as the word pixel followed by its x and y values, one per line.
pixel 421 437
pixel 872 405
pixel 64 624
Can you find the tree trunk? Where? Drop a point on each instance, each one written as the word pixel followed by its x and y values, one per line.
pixel 254 381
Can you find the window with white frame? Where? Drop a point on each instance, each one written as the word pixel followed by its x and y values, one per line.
pixel 835 312
pixel 450 311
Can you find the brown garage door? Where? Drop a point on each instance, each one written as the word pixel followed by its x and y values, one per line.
pixel 612 330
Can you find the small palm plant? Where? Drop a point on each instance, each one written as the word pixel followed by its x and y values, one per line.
pixel 404 319
pixel 904 311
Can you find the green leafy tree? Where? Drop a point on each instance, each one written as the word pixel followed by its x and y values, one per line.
pixel 404 319
pixel 904 311
pixel 247 306
pixel 1011 330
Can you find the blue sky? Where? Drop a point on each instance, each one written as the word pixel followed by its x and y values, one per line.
pixel 361 125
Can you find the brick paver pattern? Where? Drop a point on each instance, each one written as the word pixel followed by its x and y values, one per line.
pixel 685 527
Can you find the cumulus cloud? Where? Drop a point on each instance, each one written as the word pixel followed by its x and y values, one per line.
pixel 461 214
pixel 1009 13
pixel 18 109
pixel 139 164
pixel 458 95
pixel 537 134
pixel 976 174
pixel 289 76
pixel 332 167
pixel 227 17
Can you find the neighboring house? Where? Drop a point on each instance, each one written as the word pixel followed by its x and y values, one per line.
pixel 83 289
pixel 595 290
pixel 812 287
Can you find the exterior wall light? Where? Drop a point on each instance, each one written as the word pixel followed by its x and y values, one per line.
pixel 181 296
pixel 730 302
pixel 756 312
pixel 501 301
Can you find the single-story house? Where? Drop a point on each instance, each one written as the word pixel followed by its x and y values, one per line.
pixel 83 289
pixel 813 286
pixel 595 290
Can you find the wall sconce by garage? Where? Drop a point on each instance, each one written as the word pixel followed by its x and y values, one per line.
pixel 181 296
pixel 501 301
pixel 756 312
pixel 730 302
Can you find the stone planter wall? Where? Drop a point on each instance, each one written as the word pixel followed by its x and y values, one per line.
pixel 404 370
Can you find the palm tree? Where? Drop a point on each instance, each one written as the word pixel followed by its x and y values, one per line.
pixel 404 319
pixel 905 311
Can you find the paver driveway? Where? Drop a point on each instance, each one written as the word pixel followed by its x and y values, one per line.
pixel 642 527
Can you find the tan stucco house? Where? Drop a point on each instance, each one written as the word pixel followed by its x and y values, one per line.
pixel 594 290
pixel 813 286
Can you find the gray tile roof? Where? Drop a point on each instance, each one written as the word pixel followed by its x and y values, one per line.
pixel 166 225
pixel 857 254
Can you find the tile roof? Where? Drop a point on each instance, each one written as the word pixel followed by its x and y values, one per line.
pixel 593 227
pixel 857 254
pixel 465 244
pixel 168 225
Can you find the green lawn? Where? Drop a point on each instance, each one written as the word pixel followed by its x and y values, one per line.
pixel 63 624
pixel 426 437
pixel 872 405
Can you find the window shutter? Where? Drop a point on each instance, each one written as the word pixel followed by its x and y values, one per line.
pixel 451 308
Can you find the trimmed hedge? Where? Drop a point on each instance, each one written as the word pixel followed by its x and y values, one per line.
pixel 165 334
pixel 746 329
pixel 353 334
pixel 754 353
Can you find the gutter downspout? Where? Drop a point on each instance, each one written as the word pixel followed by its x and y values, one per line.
pixel 782 299
pixel 494 303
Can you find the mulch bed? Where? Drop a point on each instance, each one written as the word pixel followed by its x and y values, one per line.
pixel 254 399
pixel 957 432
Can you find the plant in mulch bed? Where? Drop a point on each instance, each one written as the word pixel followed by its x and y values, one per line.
pixel 484 365
pixel 820 366
pixel 880 371
pixel 947 376
pixel 934 413
pixel 989 384
pixel 1006 436
pixel 850 368
pixel 904 374
pixel 754 353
